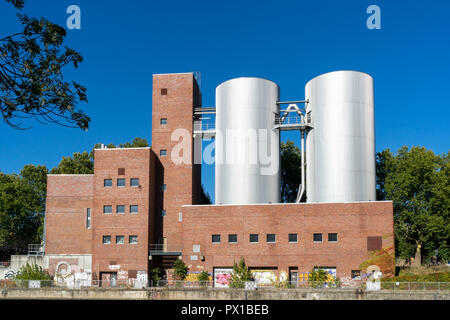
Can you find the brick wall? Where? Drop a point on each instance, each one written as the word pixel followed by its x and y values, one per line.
pixel 174 99
pixel 353 222
pixel 108 257
pixel 68 197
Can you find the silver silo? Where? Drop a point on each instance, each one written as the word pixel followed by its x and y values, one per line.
pixel 247 149
pixel 340 149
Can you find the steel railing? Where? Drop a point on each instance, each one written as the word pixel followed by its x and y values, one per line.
pixel 144 284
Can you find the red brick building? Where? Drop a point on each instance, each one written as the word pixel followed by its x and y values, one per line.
pixel 140 209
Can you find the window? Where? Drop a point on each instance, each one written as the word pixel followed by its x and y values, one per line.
pixel 107 182
pixel 120 209
pixel 133 239
pixel 356 274
pixel 308 117
pixel 88 218
pixel 232 238
pixel 292 237
pixel 121 171
pixel 163 213
pixel 107 209
pixel 134 182
pixel 121 182
pixel 120 239
pixel 215 238
pixel 163 187
pixel 163 152
pixel 254 238
pixel 164 91
pixel 271 238
pixel 317 237
pixel 106 240
pixel 134 208
pixel 163 121
pixel 332 237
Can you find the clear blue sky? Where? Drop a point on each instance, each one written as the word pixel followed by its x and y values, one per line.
pixel 289 42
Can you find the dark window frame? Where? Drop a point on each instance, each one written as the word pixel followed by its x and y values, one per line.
pixel 230 236
pixel 134 185
pixel 271 234
pixel 317 241
pixel 333 241
pixel 217 237
pixel 296 237
pixel 107 186
pixel 250 237
pixel 107 206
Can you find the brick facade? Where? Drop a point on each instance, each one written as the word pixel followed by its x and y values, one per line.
pixel 353 223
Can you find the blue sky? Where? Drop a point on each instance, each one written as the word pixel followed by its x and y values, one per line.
pixel 290 42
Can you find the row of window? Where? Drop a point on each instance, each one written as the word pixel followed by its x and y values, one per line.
pixel 271 238
pixel 121 182
pixel 120 209
pixel 120 239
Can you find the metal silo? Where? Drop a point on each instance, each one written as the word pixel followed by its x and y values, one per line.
pixel 247 149
pixel 340 149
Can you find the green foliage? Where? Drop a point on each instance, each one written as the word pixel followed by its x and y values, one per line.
pixel 203 276
pixel 31 77
pixel 22 206
pixel 155 275
pixel 136 143
pixel 319 278
pixel 418 182
pixel 240 274
pixel 180 269
pixel 79 163
pixel 290 158
pixel 32 272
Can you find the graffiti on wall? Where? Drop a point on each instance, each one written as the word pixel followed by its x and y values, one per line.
pixel 222 277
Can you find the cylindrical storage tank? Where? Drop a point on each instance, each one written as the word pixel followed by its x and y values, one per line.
pixel 247 160
pixel 340 149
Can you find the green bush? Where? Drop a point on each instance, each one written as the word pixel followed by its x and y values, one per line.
pixel 181 269
pixel 203 276
pixel 33 272
pixel 241 273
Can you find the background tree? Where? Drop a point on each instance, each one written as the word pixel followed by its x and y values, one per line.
pixel 22 207
pixel 418 182
pixel 79 163
pixel 31 78
pixel 290 171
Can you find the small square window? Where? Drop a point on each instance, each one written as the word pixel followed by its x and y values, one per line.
pixel 164 91
pixel 120 239
pixel 106 240
pixel 163 152
pixel 134 208
pixel 163 213
pixel 254 238
pixel 120 209
pixel 107 209
pixel 332 237
pixel 271 238
pixel 215 238
pixel 317 237
pixel 121 182
pixel 163 121
pixel 163 187
pixel 232 238
pixel 292 238
pixel 134 182
pixel 107 183
pixel 133 239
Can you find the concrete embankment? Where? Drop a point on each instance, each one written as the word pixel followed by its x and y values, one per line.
pixel 219 294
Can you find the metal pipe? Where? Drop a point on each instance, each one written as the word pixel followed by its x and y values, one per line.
pixel 302 185
pixel 289 102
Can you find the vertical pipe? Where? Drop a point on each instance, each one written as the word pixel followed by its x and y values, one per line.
pixel 302 185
